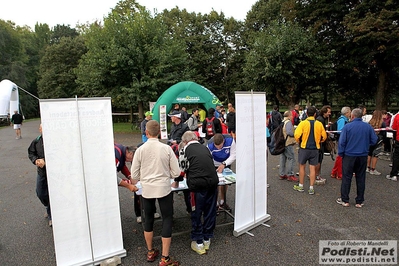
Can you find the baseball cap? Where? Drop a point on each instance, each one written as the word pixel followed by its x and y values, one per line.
pixel 175 114
pixel 148 113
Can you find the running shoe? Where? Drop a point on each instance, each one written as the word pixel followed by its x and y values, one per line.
pixel 199 248
pixel 207 244
pixel 283 177
pixel 298 188
pixel 340 202
pixel 374 172
pixel 292 178
pixel 152 255
pixel 168 262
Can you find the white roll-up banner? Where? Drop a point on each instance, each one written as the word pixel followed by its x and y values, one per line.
pixel 80 160
pixel 251 164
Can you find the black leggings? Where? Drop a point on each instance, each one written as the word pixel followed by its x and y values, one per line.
pixel 166 207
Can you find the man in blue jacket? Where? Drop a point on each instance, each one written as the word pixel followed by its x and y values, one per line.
pixel 354 142
pixel 223 150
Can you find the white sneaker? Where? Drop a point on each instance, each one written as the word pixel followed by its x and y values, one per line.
pixel 207 244
pixel 199 248
pixel 374 172
pixel 138 220
pixel 393 178
pixel 156 215
pixel 367 170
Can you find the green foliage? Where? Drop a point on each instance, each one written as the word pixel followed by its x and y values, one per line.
pixel 57 68
pixel 214 46
pixel 131 58
pixel 363 34
pixel 343 52
pixel 373 29
pixel 60 31
pixel 12 58
pixel 286 61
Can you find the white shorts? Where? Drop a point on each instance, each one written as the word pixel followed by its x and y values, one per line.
pixel 17 126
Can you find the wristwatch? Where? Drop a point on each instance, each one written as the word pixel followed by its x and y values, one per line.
pixel 224 163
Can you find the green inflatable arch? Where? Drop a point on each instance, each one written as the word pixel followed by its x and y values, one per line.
pixel 185 92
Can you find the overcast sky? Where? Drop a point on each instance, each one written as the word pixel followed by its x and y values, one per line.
pixel 53 12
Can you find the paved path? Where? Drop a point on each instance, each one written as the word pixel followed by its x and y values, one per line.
pixel 298 220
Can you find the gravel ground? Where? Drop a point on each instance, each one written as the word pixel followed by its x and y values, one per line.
pixel 298 220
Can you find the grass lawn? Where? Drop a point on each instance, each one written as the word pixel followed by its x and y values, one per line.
pixel 127 127
pixel 124 128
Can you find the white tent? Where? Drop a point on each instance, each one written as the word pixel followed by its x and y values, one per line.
pixel 9 98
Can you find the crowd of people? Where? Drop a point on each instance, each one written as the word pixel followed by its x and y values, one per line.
pixel 155 164
pixel 361 139
pixel 197 160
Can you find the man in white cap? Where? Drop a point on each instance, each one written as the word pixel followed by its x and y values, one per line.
pixel 143 125
pixel 178 128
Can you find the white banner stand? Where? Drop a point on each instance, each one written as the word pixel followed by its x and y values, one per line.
pixel 251 164
pixel 80 160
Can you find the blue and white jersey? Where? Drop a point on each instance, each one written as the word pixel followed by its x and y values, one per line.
pixel 226 154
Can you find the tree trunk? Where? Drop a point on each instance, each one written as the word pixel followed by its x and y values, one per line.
pixel 380 95
pixel 141 109
pixel 131 114
pixel 290 99
pixel 325 98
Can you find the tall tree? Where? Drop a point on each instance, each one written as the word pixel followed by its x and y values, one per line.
pixel 287 62
pixel 213 44
pixel 373 27
pixel 349 85
pixel 131 58
pixel 12 53
pixel 60 31
pixel 57 77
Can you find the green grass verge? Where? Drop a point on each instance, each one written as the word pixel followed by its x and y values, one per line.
pixel 124 128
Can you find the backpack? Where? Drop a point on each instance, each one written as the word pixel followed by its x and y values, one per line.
pixel 186 122
pixel 304 115
pixel 330 145
pixel 276 119
pixel 277 142
pixel 334 126
pixel 210 127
